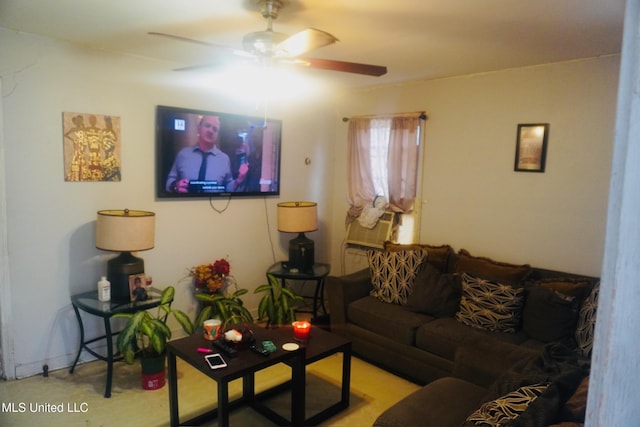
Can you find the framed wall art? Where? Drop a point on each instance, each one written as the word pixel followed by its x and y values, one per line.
pixel 91 147
pixel 531 147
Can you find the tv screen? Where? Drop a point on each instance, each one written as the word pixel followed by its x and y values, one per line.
pixel 212 154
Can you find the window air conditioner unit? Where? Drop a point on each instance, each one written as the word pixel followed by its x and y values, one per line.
pixel 357 235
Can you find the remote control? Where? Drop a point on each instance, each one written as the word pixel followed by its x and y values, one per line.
pixel 260 350
pixel 226 349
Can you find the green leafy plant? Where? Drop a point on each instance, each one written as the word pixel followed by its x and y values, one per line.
pixel 277 302
pixel 148 335
pixel 229 308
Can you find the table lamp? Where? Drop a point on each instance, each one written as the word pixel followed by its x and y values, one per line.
pixel 124 231
pixel 299 217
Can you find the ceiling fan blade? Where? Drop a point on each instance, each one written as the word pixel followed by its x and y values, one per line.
pixel 202 43
pixel 198 67
pixel 183 39
pixel 345 67
pixel 304 41
pixel 218 64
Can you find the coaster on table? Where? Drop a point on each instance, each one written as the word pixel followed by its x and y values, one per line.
pixel 290 346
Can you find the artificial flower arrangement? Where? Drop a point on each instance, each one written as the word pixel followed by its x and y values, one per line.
pixel 211 278
pixel 219 294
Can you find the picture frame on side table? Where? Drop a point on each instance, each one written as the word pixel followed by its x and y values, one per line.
pixel 138 287
pixel 531 147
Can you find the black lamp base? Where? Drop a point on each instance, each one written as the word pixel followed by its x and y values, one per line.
pixel 118 271
pixel 301 253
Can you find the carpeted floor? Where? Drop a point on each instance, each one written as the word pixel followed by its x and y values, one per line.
pixel 31 401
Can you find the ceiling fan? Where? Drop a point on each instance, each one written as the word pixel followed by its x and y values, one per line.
pixel 270 46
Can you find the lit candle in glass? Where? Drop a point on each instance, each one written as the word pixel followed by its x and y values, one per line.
pixel 301 330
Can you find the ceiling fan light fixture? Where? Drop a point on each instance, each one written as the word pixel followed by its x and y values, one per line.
pixel 262 42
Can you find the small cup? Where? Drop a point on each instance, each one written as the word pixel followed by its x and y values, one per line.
pixel 301 330
pixel 211 329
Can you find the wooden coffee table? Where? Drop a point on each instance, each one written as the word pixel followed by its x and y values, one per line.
pixel 320 345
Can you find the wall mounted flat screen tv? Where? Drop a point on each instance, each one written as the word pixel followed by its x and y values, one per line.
pixel 212 154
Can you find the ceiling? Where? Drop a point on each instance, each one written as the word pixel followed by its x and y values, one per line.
pixel 415 39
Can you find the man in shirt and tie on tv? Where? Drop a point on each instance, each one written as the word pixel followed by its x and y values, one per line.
pixel 204 168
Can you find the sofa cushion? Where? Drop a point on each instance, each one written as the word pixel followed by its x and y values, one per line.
pixel 443 336
pixel 578 288
pixel 487 268
pixel 439 255
pixel 388 320
pixel 587 322
pixel 393 273
pixel 443 403
pixel 483 361
pixel 567 424
pixel 575 408
pixel 549 315
pixel 490 305
pixel 434 292
pixel 506 409
pixel 557 366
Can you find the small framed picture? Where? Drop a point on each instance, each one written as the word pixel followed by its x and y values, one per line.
pixel 531 147
pixel 138 287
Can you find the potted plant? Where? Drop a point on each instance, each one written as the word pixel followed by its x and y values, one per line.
pixel 147 335
pixel 212 283
pixel 229 308
pixel 277 302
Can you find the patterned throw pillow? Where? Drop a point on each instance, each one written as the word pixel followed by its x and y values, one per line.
pixel 587 323
pixel 490 305
pixel 393 273
pixel 507 408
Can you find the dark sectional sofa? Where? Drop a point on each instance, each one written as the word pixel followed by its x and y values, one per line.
pixel 468 327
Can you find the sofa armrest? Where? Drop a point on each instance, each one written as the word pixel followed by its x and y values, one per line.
pixel 482 363
pixel 343 290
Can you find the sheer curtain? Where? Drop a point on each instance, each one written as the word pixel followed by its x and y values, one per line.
pixel 403 162
pixel 382 159
pixel 360 183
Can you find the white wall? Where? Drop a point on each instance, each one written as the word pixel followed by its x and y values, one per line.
pixel 471 197
pixel 50 222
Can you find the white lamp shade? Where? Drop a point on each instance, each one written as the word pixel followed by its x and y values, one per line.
pixel 125 230
pixel 297 217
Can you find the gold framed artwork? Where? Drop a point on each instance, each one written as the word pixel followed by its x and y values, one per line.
pixel 91 147
pixel 531 147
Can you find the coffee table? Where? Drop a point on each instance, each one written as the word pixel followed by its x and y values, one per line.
pixel 320 345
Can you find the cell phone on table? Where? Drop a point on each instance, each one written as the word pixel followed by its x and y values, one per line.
pixel 215 361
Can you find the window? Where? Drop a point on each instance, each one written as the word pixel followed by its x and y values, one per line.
pixel 383 160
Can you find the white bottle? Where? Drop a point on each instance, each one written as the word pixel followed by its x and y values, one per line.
pixel 104 289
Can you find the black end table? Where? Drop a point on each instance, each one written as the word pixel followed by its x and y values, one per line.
pixel 318 273
pixel 89 303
